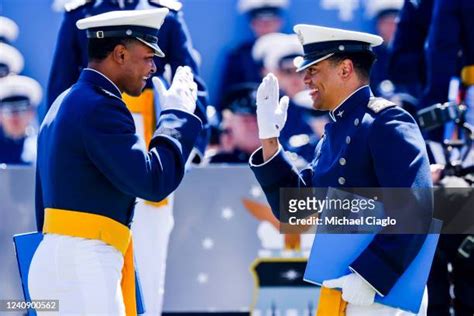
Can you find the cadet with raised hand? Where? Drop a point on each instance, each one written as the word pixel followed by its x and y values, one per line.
pixel 369 143
pixel 92 165
pixel 153 221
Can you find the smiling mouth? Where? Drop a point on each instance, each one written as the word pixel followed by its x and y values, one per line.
pixel 313 92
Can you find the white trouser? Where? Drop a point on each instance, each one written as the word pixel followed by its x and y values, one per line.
pixel 151 229
pixel 383 310
pixel 83 274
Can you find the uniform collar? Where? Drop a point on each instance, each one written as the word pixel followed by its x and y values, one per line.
pixel 359 96
pixel 99 79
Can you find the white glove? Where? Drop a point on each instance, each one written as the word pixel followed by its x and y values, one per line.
pixel 355 290
pixel 271 114
pixel 182 94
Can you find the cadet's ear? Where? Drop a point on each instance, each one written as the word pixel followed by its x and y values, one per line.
pixel 346 68
pixel 119 53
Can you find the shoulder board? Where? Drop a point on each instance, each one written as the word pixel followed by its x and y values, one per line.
pixel 76 4
pixel 170 4
pixel 379 104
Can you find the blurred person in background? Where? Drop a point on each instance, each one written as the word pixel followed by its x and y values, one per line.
pixel 450 77
pixel 406 62
pixel 11 60
pixel 239 132
pixel 264 17
pixel 450 55
pixel 384 14
pixel 19 98
pixel 433 46
pixel 153 221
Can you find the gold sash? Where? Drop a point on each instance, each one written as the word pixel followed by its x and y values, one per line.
pixel 98 227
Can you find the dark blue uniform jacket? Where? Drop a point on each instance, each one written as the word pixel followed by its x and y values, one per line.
pixel 91 160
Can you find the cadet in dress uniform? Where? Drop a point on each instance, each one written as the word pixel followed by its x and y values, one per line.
pixel 406 61
pixel 19 97
pixel 450 50
pixel 384 14
pixel 265 17
pixel 92 165
pixel 369 143
pixel 153 222
pixel 239 131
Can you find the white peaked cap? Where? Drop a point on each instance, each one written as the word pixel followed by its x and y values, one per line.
pixel 264 43
pixel 272 48
pixel 375 7
pixel 140 24
pixel 8 29
pixel 320 43
pixel 20 86
pixel 245 6
pixel 12 58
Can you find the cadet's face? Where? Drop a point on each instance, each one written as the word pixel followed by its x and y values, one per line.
pixel 323 81
pixel 386 27
pixel 267 25
pixel 244 131
pixel 139 66
pixel 15 123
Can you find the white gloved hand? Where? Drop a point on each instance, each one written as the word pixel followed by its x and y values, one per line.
pixel 355 290
pixel 271 113
pixel 182 94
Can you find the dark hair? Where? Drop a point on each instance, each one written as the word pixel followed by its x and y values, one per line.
pixel 362 61
pixel 99 48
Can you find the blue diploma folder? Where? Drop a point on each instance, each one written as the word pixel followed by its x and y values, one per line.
pixel 25 247
pixel 332 254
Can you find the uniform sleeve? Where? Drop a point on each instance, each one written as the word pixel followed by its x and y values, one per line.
pixel 120 154
pixel 65 68
pixel 406 62
pixel 400 161
pixel 276 173
pixel 450 32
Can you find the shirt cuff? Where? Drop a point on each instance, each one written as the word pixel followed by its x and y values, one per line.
pixel 256 159
pixel 276 172
pixel 373 288
pixel 376 271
